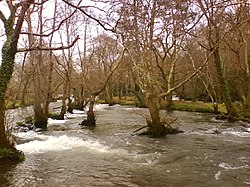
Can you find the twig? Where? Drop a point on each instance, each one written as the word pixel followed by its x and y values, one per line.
pixel 140 129
pixel 171 122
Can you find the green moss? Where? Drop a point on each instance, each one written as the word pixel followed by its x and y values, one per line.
pixel 245 114
pixel 13 104
pixel 22 157
pixel 99 101
pixel 29 119
pixel 53 114
pixel 20 123
pixel 11 154
pixel 56 115
pixel 5 152
pixel 197 107
pixel 191 107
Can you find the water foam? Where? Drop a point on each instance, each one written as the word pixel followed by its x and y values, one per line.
pixel 55 121
pixel 64 142
pixel 99 107
pixel 29 135
pixel 76 114
pixel 217 175
pixel 227 166
pixel 237 133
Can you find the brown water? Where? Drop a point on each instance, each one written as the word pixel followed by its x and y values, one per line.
pixel 71 156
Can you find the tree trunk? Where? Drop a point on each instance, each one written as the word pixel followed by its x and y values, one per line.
pixel 70 106
pixel 90 114
pixel 108 95
pixel 4 142
pixel 40 119
pixel 6 69
pixel 223 84
pixel 169 102
pixel 246 103
pixel 64 97
pixel 90 121
pixel 156 127
pixel 139 97
pixel 12 26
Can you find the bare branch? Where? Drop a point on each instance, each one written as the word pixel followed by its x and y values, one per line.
pixel 25 7
pixel 38 48
pixel 54 30
pixel 2 17
pixel 110 75
pixel 92 17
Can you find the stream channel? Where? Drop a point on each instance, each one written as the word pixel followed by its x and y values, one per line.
pixel 209 153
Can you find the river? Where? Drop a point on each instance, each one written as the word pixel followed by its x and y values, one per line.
pixel 209 153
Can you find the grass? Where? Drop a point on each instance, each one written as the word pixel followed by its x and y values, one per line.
pixel 129 100
pixel 197 107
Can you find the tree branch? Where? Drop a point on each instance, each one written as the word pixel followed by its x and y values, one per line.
pixel 2 17
pixel 25 7
pixel 38 48
pixel 92 17
pixel 54 30
pixel 109 75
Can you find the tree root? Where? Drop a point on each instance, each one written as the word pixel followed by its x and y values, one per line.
pixel 159 130
pixel 140 129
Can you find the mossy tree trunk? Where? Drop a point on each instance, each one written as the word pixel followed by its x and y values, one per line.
pixel 223 84
pixel 9 51
pixel 6 70
pixel 214 30
pixel 246 103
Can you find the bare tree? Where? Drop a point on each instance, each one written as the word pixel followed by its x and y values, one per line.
pixel 107 54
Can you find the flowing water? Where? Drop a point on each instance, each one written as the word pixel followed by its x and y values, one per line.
pixel 208 153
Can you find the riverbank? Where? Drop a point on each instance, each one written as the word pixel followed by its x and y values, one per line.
pixel 189 106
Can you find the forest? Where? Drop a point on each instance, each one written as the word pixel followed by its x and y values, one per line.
pixel 144 50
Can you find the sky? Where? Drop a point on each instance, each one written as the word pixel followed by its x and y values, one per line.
pixel 49 9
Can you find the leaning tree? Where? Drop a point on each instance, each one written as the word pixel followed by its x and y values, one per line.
pixel 12 26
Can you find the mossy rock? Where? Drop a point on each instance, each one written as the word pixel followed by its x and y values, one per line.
pixel 29 120
pixel 11 154
pixel 56 116
pixel 27 123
